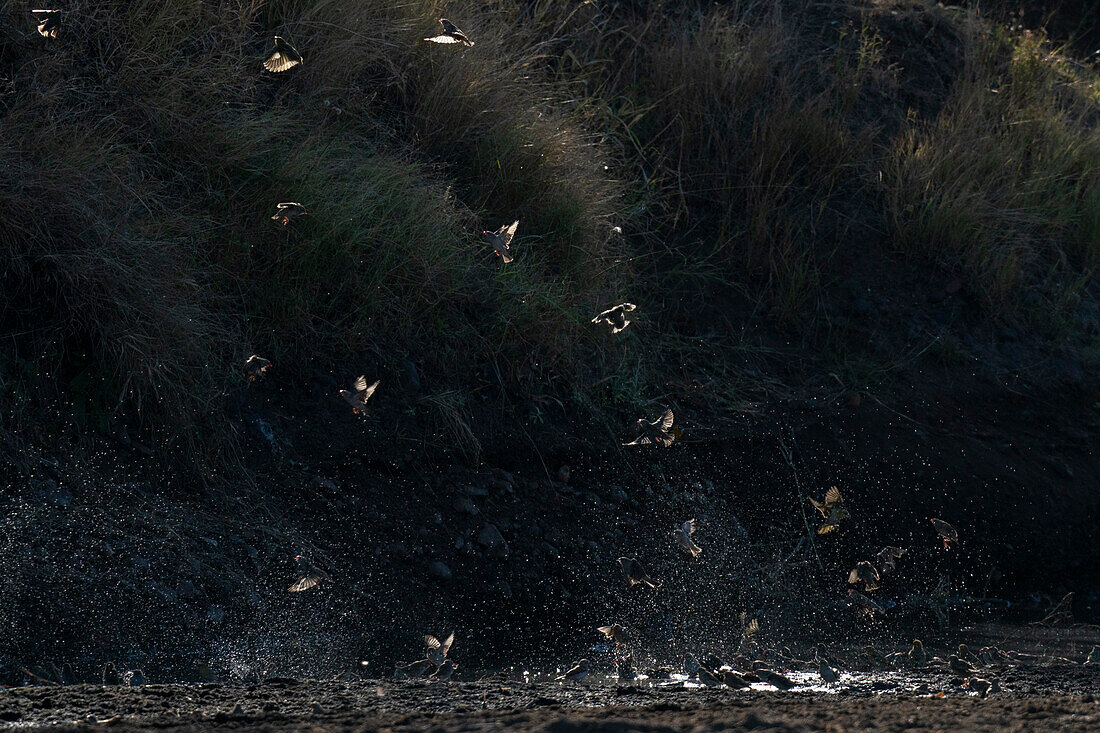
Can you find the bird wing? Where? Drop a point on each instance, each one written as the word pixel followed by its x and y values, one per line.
pixel 431 641
pixel 279 61
pixel 606 312
pixel 605 630
pixel 360 384
pixel 832 496
pixel 305 583
pixel 853 577
pixel 628 306
pixel 448 26
pixel 640 440
pixel 286 49
pixel 818 506
pixel 689 527
pixel 826 528
pixel 665 422
pixel 366 392
pixel 506 233
pixel 443 39
pixel 446 646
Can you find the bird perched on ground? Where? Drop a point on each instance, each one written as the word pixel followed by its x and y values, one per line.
pixel 635 573
pixel 450 34
pixel 283 57
pixel 445 671
pixel 734 680
pixel 309 575
pixel 616 317
pixel 775 679
pixel 658 673
pixel 287 210
pixel 501 240
pixel 659 431
pixel 683 535
pixel 864 572
pixel 960 667
pixel 874 657
pixel 827 672
pixel 691 665
pixel 616 633
pixel 886 557
pixel 358 398
pixel 832 510
pixel 865 604
pixel 708 678
pixel 978 685
pixel 49 22
pixel 624 669
pixel 437 650
pixel 917 656
pixel 577 673
pixel 255 367
pixel 946 532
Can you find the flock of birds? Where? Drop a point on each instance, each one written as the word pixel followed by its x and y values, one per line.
pixel 710 670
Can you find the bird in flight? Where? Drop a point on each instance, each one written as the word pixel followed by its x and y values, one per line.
pixel 635 573
pixel 946 532
pixel 616 633
pixel 683 535
pixel 450 34
pixel 832 511
pixel 255 367
pixel 310 576
pixel 886 557
pixel 49 22
pixel 864 572
pixel 287 210
pixel 616 317
pixel 358 398
pixel 501 240
pixel 437 650
pixel 283 57
pixel 659 431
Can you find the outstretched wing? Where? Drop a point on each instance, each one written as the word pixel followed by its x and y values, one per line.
pixel 689 527
pixel 666 421
pixel 309 581
pixel 446 646
pixel 443 39
pixel 832 496
pixel 366 392
pixel 361 384
pixel 431 641
pixel 506 233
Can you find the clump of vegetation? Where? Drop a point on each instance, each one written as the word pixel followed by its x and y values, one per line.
pixel 755 155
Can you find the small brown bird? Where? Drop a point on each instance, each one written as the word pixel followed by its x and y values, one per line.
pixel 445 671
pixel 616 633
pixel 49 22
pixel 917 656
pixel 683 535
pixel 451 34
pixel 437 650
pixel 635 573
pixel 659 431
pixel 886 557
pixel 691 665
pixel 864 572
pixel 827 672
pixel 616 317
pixel 775 679
pixel 960 667
pixel 978 685
pixel 283 57
pixel 946 532
pixel 358 398
pixel 309 575
pixel 255 367
pixel 708 678
pixel 734 680
pixel 866 605
pixel 577 673
pixel 287 210
pixel 501 240
pixel 832 511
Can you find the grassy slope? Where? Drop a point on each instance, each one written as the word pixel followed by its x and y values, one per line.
pixel 787 181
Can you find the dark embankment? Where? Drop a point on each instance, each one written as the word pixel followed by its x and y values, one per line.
pixel 862 238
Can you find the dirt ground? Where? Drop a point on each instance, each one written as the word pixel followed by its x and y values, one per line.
pixel 1055 697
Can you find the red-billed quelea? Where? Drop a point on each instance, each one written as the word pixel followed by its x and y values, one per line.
pixel 917 656
pixel 832 510
pixel 287 210
pixel 309 575
pixel 256 367
pixel 865 573
pixel 576 673
pixel 886 558
pixel 437 650
pixel 358 398
pixel 284 57
pixel 615 633
pixel 635 573
pixel 445 671
pixel 660 431
pixel 946 532
pixel 775 679
pixel 49 22
pixel 683 535
pixel 450 34
pixel 616 317
pixel 827 672
pixel 501 240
